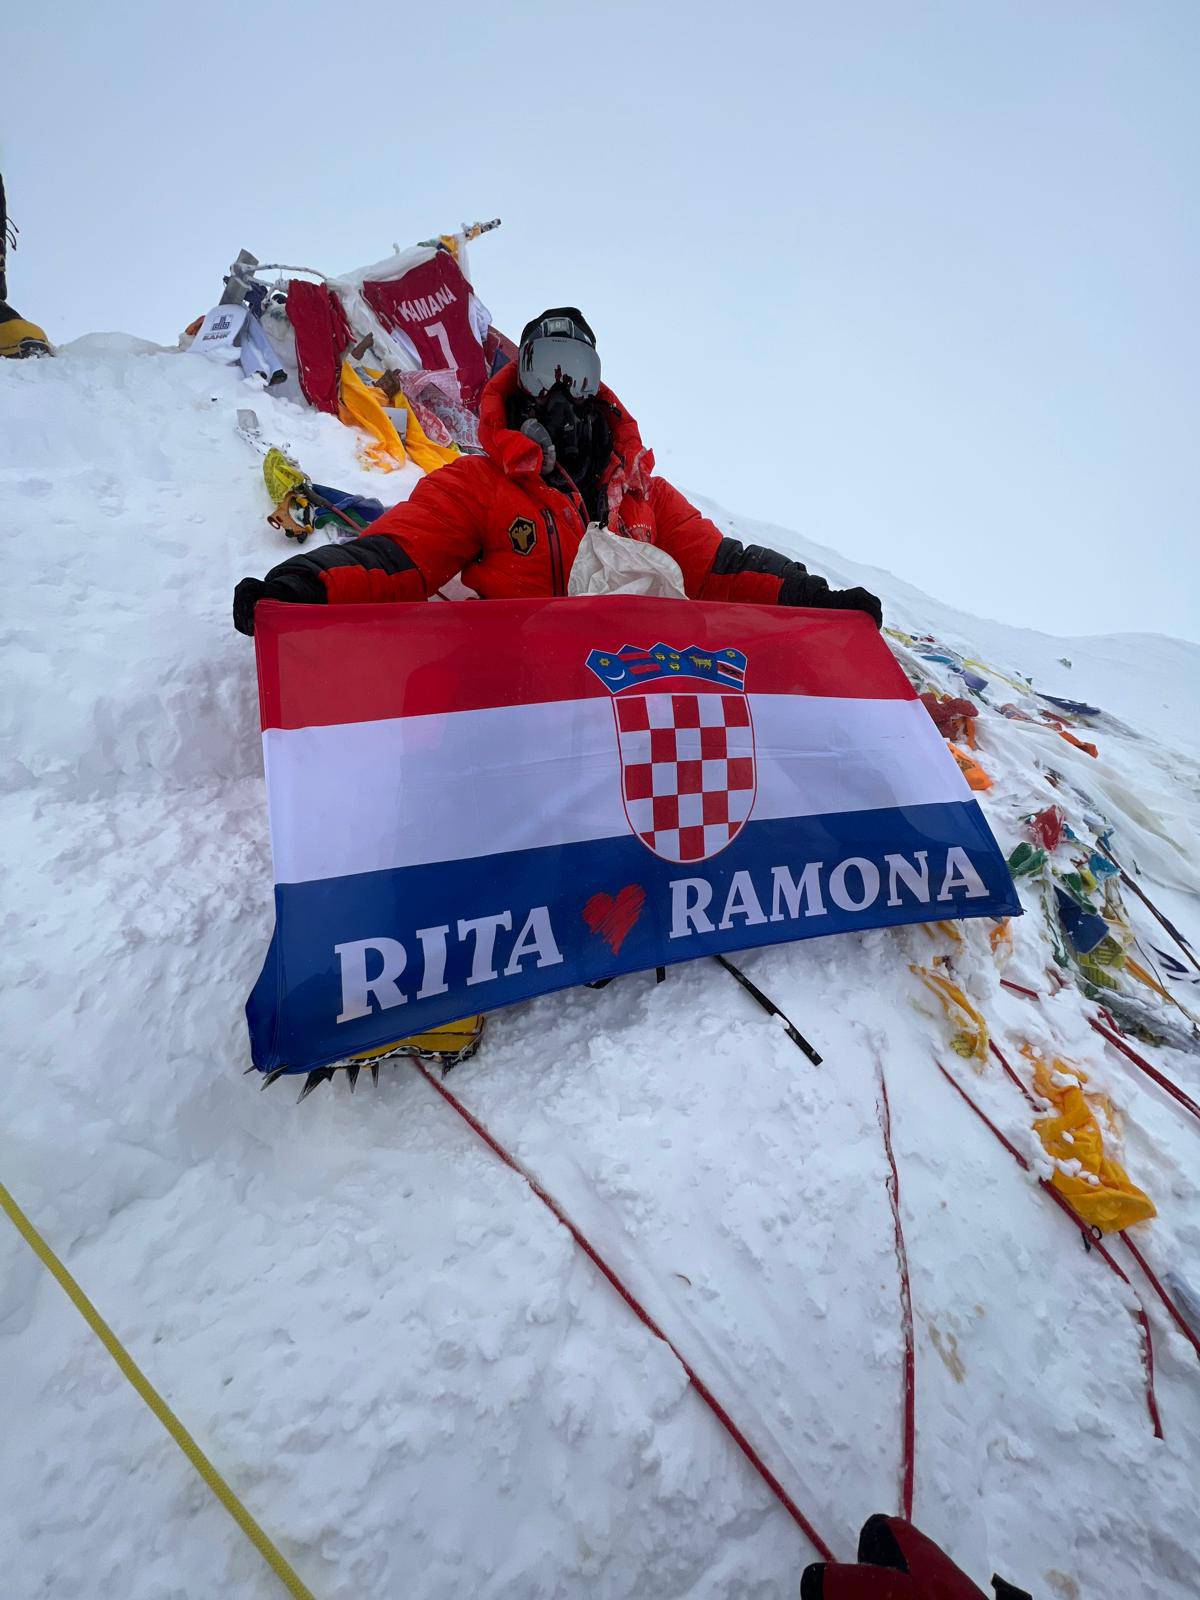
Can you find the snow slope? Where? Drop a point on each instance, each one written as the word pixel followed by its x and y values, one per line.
pixel 417 1382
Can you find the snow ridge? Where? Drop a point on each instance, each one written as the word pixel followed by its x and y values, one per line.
pixel 405 1366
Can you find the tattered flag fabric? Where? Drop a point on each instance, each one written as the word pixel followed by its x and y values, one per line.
pixel 431 305
pixel 473 804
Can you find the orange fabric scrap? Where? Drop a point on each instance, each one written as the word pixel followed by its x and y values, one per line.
pixel 976 777
pixel 1065 733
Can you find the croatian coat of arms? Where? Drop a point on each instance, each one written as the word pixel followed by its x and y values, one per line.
pixel 686 743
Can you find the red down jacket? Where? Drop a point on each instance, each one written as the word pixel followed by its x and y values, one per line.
pixel 511 534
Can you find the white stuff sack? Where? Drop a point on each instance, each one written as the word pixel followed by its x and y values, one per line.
pixel 607 564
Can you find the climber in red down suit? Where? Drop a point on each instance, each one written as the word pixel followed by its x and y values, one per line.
pixel 560 452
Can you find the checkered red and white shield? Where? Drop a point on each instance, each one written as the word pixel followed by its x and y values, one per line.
pixel 687 770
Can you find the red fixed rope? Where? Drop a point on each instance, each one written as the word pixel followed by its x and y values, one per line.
pixel 1101 1251
pixel 643 1316
pixel 908 1469
pixel 1019 988
pixel 1159 1078
pixel 1003 1060
pixel 1114 1038
pixel 1172 1309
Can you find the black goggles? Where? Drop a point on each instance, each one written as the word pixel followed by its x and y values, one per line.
pixel 548 360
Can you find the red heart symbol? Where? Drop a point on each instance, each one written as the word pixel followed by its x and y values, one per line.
pixel 612 917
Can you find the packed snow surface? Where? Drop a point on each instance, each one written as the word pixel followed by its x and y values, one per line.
pixel 415 1379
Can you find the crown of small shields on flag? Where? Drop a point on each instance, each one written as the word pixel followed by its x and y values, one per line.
pixel 621 669
pixel 688 774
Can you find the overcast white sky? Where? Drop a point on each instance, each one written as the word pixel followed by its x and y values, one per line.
pixel 918 279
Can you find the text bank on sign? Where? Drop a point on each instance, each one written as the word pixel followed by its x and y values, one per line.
pixel 473 804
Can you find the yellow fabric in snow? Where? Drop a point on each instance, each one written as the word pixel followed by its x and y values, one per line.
pixel 970 1042
pixel 1109 1200
pixel 421 448
pixel 280 474
pixel 365 406
pixel 361 406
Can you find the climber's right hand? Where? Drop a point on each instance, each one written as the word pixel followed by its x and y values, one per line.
pixel 857 600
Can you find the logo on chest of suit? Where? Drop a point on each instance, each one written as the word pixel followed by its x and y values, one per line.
pixel 522 535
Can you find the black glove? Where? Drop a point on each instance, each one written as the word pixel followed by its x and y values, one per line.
pixel 300 578
pixel 857 600
pixel 245 597
pixel 803 588
pixel 290 587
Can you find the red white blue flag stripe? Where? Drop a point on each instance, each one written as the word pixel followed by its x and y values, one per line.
pixel 473 804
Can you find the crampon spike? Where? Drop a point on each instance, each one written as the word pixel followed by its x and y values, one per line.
pixel 315 1079
pixel 445 1047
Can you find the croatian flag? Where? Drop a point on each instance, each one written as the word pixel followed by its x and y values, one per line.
pixel 473 804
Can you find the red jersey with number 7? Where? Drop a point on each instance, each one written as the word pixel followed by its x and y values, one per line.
pixel 432 305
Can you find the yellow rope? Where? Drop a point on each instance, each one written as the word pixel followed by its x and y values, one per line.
pixel 270 1554
pixel 1142 976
